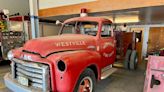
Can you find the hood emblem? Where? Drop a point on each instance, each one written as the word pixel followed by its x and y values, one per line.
pixel 26 57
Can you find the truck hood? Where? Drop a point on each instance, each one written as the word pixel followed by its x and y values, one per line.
pixel 45 46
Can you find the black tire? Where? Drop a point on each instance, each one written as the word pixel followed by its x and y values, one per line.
pixel 133 60
pixel 88 73
pixel 127 59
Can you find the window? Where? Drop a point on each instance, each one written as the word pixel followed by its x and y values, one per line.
pixel 69 28
pixel 81 27
pixel 106 30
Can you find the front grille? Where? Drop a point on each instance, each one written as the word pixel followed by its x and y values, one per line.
pixel 36 73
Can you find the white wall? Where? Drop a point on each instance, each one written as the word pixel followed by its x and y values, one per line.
pixel 43 4
pixel 15 6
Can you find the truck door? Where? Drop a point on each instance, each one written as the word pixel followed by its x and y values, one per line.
pixel 107 45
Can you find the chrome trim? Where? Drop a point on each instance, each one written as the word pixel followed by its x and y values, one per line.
pixel 29 69
pixel 28 63
pixel 13 73
pixel 46 81
pixel 29 74
pixel 37 73
pixel 14 86
pixel 32 79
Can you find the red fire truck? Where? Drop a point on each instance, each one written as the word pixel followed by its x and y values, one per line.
pixel 82 54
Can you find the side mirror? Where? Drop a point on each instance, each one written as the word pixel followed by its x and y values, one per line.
pixel 58 22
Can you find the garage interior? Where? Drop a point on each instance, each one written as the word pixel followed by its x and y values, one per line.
pixel 22 21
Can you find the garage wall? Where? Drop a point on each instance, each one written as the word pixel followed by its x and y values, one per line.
pixel 146 35
pixel 43 4
pixel 94 6
pixel 156 36
pixel 45 29
pixel 15 6
pixel 50 30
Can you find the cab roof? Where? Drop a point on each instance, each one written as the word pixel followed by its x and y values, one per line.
pixel 96 19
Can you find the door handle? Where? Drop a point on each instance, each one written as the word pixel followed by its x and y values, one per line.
pixel 154 82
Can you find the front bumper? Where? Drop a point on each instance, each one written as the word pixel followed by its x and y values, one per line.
pixel 13 85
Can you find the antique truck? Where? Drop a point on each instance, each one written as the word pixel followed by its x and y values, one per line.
pixel 82 54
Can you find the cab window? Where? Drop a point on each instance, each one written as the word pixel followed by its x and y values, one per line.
pixel 106 30
pixel 80 27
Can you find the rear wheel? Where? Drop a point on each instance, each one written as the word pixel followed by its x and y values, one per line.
pixel 127 59
pixel 86 82
pixel 133 60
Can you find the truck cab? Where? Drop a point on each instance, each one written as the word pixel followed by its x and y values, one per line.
pixel 73 61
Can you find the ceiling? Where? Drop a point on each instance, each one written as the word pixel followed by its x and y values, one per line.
pixel 148 15
pixel 15 6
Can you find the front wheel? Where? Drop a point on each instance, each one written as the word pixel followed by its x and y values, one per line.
pixel 86 82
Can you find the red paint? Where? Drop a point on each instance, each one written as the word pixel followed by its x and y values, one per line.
pixel 155 67
pixel 77 56
pixel 84 10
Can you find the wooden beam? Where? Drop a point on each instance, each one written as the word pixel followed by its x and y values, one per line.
pixel 99 6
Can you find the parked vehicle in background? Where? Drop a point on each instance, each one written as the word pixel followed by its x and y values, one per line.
pixel 126 49
pixel 9 38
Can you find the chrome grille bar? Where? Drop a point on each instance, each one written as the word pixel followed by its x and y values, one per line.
pixel 37 73
pixel 29 73
pixel 29 69
pixel 31 78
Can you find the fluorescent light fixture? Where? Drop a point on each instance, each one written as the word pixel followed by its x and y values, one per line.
pixel 127 19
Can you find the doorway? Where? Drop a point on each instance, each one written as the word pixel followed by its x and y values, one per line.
pixel 139 31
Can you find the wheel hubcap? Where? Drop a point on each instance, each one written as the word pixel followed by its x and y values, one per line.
pixel 86 85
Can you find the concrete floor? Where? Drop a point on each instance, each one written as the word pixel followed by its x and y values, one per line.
pixel 4 68
pixel 123 81
pixel 120 81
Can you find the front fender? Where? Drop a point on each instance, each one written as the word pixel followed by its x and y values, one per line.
pixel 76 62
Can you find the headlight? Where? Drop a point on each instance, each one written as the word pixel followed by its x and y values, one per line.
pixel 10 55
pixel 61 65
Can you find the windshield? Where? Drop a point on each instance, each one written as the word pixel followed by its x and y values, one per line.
pixel 81 27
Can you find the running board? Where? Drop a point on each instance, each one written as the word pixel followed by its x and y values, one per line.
pixel 107 72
